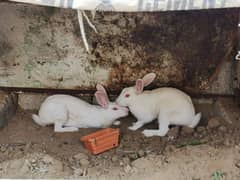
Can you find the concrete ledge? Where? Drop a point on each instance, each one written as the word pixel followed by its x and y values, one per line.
pixel 8 106
pixel 229 110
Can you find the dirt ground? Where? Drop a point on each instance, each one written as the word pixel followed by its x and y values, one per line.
pixel 210 151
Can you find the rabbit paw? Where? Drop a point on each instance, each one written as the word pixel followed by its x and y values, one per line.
pixel 148 133
pixel 132 128
pixel 153 132
pixel 116 123
pixel 135 126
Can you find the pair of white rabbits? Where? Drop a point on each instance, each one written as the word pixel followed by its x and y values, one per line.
pixel 169 105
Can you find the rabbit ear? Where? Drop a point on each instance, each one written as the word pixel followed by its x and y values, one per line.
pixel 102 99
pixel 148 79
pixel 139 86
pixel 99 87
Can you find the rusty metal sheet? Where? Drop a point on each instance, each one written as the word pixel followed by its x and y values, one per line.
pixel 40 47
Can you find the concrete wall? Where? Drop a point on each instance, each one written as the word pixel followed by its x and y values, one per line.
pixel 41 47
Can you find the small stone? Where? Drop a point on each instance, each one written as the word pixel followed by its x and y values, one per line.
pixel 127 169
pixel 3 149
pixel 78 172
pixel 122 22
pixel 141 163
pixel 173 132
pixel 33 161
pixel 237 164
pixel 196 135
pixel 48 159
pixel 114 158
pixel 80 156
pixel 213 123
pixel 222 129
pixel 126 160
pixel 84 162
pixel 201 129
pixel 141 153
pixel 187 130
pixel 133 156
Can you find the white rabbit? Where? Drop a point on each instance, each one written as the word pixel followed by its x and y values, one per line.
pixel 69 113
pixel 171 106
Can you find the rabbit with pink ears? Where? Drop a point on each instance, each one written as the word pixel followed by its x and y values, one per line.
pixel 169 105
pixel 68 113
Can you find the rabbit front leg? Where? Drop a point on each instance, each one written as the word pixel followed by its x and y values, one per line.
pixel 116 123
pixel 136 125
pixel 163 124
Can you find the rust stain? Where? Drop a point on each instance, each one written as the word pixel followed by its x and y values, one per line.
pixel 182 52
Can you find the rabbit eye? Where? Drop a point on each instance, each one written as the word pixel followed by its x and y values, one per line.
pixel 127 95
pixel 115 108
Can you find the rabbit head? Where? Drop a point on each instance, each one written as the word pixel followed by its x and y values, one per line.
pixel 111 109
pixel 129 94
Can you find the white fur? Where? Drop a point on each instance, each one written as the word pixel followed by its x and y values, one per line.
pixel 169 105
pixel 69 113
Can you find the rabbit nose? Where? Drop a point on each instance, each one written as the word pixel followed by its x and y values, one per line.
pixel 125 109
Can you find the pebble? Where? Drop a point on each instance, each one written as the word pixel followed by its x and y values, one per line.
pixel 122 22
pixel 201 129
pixel 213 123
pixel 48 159
pixel 114 158
pixel 141 153
pixel 78 172
pixel 127 169
pixel 84 162
pixel 173 132
pixel 196 135
pixel 237 164
pixel 33 161
pixel 141 163
pixel 133 156
pixel 80 156
pixel 3 149
pixel 126 160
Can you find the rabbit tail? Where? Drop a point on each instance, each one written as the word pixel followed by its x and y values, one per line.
pixel 37 120
pixel 196 120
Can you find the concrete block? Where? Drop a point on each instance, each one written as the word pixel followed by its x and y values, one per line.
pixel 8 107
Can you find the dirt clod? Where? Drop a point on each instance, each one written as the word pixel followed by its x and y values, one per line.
pixel 214 123
pixel 187 131
pixel 201 129
pixel 173 133
pixel 80 156
pixel 141 153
